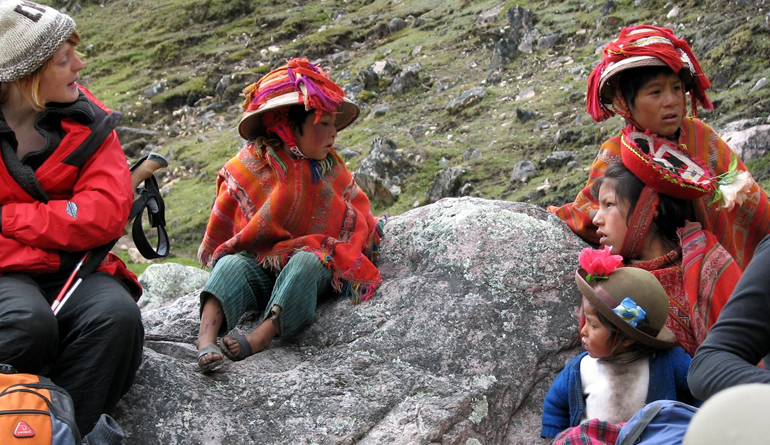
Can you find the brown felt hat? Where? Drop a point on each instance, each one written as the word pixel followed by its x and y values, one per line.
pixel 644 289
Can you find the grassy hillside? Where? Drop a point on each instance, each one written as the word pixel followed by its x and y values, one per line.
pixel 188 46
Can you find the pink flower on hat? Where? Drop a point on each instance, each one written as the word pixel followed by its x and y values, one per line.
pixel 599 263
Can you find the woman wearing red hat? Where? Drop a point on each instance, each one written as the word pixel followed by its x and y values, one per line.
pixel 289 222
pixel 645 76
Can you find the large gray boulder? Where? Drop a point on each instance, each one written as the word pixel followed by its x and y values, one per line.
pixel 474 319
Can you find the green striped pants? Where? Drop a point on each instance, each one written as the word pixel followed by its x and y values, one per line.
pixel 241 284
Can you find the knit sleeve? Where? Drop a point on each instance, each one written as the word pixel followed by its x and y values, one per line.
pixel 680 363
pixel 556 410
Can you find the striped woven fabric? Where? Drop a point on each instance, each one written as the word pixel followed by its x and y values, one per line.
pixel 738 230
pixel 698 278
pixel 258 212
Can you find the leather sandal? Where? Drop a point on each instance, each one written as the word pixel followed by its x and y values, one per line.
pixel 244 348
pixel 210 349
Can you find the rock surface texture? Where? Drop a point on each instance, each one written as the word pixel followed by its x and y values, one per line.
pixel 474 319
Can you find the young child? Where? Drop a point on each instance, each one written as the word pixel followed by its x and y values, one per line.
pixel 650 226
pixel 630 357
pixel 289 222
pixel 644 77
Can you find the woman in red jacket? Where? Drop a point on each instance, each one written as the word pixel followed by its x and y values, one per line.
pixel 66 190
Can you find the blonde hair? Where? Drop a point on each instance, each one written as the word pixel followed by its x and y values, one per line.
pixel 29 85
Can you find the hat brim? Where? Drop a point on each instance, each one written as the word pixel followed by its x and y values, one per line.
pixel 665 338
pixel 251 124
pixel 610 75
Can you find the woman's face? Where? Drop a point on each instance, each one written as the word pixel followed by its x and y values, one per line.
pixel 611 218
pixel 317 140
pixel 58 81
pixel 659 106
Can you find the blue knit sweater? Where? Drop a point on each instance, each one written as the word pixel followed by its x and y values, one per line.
pixel 564 404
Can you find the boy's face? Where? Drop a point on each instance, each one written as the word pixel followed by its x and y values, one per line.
pixel 659 106
pixel 594 335
pixel 317 140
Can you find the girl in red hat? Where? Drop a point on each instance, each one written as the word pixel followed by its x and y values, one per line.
pixel 645 77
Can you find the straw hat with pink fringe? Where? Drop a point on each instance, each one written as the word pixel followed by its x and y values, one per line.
pixel 299 82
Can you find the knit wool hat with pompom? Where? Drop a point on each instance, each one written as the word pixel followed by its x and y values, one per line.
pixel 29 35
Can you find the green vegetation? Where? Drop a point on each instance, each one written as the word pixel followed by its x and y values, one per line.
pixel 189 45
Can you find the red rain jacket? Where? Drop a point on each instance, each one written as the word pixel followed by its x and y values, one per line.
pixel 83 196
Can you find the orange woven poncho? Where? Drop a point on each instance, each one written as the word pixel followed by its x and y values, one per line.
pixel 258 212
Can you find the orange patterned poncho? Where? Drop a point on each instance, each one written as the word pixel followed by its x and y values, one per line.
pixel 271 214
pixel 738 230
pixel 699 277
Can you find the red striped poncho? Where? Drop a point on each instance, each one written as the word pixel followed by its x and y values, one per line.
pixel 698 277
pixel 739 230
pixel 268 205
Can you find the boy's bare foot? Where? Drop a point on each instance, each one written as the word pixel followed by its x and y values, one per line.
pixel 238 347
pixel 209 357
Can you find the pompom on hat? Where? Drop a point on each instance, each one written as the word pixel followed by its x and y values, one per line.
pixel 299 82
pixel 641 46
pixel 29 35
pixel 611 292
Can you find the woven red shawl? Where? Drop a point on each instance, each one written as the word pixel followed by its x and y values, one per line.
pixel 699 277
pixel 270 218
pixel 739 230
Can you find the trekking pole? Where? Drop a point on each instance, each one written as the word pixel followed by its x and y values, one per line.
pixel 91 260
pixel 63 295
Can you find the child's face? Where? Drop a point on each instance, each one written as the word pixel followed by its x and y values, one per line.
pixel 611 217
pixel 659 106
pixel 594 335
pixel 317 140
